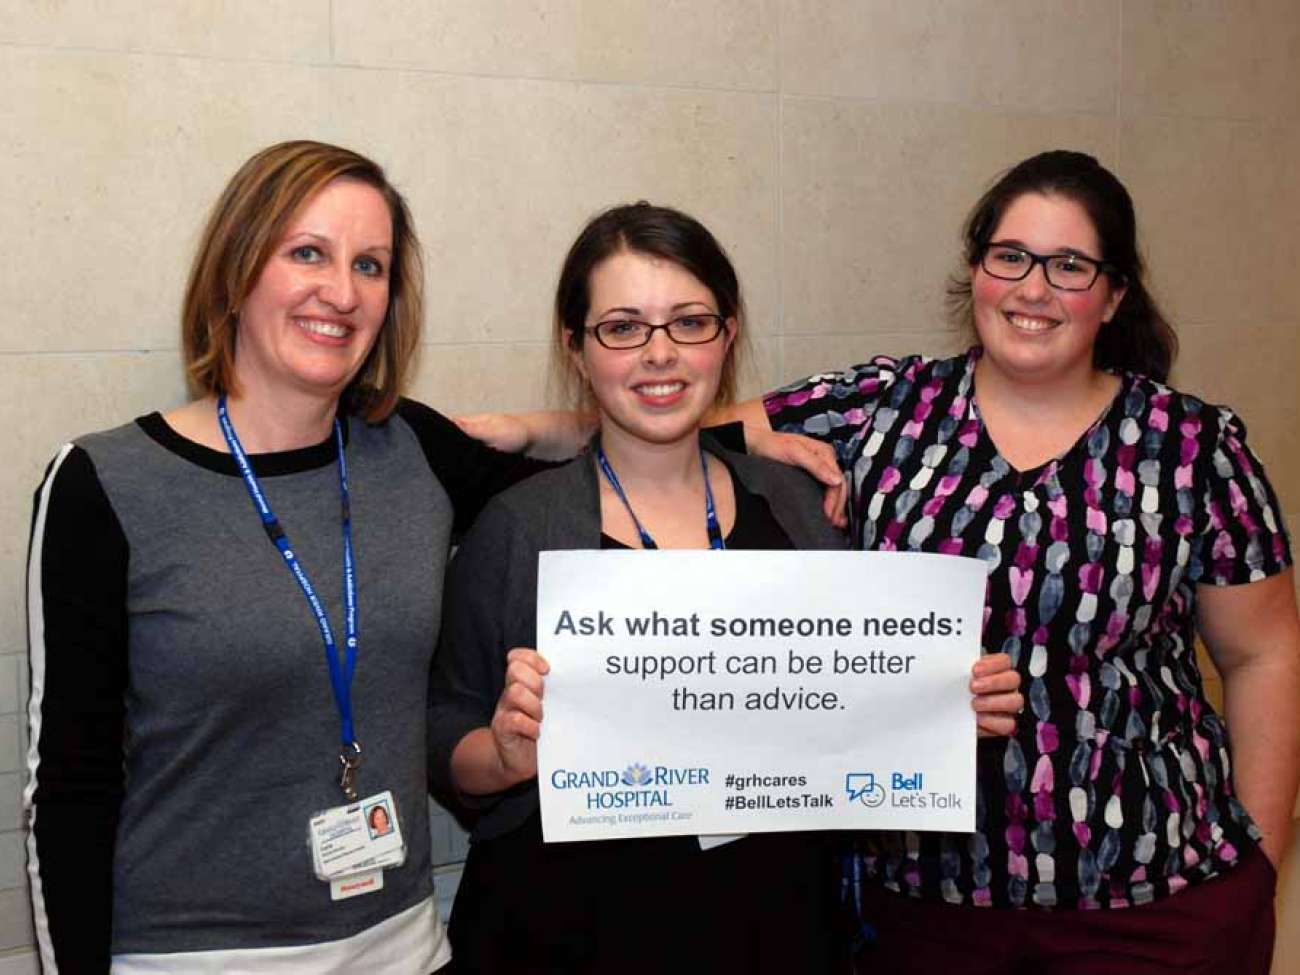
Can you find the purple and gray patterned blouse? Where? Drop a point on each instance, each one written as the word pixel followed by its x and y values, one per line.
pixel 1116 788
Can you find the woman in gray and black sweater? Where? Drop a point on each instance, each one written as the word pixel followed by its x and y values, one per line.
pixel 183 729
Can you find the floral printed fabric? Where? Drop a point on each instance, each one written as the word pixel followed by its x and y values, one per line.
pixel 1116 788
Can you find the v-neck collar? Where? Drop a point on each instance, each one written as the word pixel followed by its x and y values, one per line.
pixel 1032 477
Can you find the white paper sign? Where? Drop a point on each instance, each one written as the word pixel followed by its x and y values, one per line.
pixel 696 692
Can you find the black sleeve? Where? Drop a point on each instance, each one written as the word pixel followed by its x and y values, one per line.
pixel 76 605
pixel 729 435
pixel 470 470
pixel 489 607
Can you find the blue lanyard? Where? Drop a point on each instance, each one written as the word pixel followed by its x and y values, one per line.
pixel 710 512
pixel 340 674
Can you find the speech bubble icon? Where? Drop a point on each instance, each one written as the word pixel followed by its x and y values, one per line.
pixel 863 787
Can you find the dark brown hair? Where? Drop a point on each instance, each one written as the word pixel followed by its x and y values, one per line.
pixel 657 231
pixel 243 229
pixel 1138 338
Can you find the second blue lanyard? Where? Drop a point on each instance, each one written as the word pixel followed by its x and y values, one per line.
pixel 710 512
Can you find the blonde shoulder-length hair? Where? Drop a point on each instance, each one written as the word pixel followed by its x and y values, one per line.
pixel 247 223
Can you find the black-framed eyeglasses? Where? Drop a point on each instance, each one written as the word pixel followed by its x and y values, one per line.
pixel 1065 272
pixel 628 333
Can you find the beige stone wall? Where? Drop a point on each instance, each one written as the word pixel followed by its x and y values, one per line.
pixel 833 145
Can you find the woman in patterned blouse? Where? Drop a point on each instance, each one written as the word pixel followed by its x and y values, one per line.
pixel 1118 518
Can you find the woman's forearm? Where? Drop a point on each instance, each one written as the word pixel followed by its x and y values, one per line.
pixel 544 434
pixel 557 434
pixel 1260 705
pixel 476 766
pixel 1253 634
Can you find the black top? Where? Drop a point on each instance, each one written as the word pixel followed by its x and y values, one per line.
pixel 755 527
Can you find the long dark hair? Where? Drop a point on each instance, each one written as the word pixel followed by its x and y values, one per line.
pixel 657 231
pixel 1138 338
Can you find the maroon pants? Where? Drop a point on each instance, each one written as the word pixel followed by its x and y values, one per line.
pixel 1224 925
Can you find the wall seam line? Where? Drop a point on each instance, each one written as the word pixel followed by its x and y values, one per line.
pixel 780 196
pixel 1119 85
pixel 329 12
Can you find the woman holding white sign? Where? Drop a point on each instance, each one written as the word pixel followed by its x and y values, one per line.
pixel 649 317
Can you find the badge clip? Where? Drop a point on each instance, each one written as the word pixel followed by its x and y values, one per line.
pixel 350 759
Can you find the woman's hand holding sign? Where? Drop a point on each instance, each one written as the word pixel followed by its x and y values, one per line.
pixel 997 701
pixel 494 758
pixel 517 721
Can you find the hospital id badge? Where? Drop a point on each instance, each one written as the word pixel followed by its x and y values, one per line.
pixel 357 838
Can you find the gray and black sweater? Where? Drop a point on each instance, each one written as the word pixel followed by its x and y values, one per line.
pixel 182 723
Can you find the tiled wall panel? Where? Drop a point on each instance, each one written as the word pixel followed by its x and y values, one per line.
pixel 1211 58
pixel 280 30
pixel 1220 234
pixel 721 44
pixel 1015 54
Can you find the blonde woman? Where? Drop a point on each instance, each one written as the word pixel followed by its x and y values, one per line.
pixel 233 606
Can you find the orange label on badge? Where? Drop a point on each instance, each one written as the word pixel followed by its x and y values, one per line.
pixel 357 884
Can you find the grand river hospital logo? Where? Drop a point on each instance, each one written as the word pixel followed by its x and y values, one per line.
pixel 636 774
pixel 863 787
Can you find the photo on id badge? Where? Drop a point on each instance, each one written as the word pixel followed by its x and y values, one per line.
pixel 379 819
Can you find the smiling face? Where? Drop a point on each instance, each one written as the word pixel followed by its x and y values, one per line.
pixel 659 393
pixel 1031 331
pixel 319 304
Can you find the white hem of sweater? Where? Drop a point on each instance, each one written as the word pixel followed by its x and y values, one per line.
pixel 410 943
